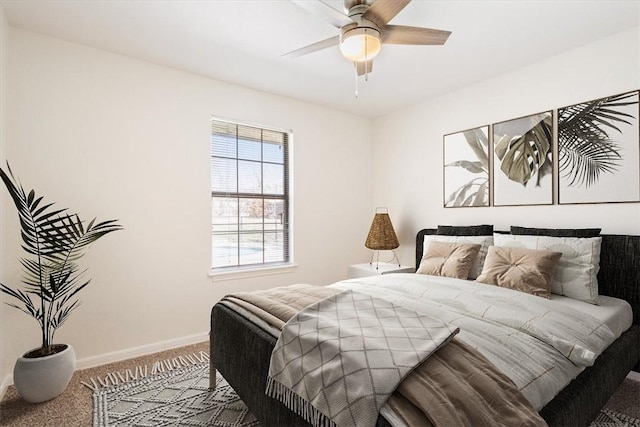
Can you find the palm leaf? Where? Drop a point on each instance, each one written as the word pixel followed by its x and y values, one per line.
pixel 479 143
pixel 29 308
pixel 473 193
pixel 482 195
pixel 61 315
pixel 473 167
pixel 585 142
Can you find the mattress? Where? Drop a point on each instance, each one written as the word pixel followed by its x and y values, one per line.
pixel 613 312
pixel 496 322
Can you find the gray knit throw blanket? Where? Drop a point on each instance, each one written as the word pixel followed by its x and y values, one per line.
pixel 337 361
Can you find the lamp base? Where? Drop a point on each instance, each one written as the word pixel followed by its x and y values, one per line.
pixel 373 254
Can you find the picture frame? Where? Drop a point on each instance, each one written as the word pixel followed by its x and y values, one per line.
pixel 599 150
pixel 523 167
pixel 466 168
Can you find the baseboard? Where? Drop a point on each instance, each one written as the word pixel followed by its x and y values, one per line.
pixel 117 356
pixel 6 382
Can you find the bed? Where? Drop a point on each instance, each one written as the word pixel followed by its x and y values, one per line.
pixel 240 349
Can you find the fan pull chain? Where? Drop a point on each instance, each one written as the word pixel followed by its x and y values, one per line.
pixel 365 64
pixel 366 58
pixel 355 69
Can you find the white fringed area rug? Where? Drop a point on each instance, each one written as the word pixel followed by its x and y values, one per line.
pixel 176 393
pixel 172 393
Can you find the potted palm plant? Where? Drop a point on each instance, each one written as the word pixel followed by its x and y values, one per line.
pixel 54 241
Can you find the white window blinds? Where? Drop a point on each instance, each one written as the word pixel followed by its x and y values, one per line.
pixel 249 195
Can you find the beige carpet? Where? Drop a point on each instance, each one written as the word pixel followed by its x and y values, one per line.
pixel 626 399
pixel 75 406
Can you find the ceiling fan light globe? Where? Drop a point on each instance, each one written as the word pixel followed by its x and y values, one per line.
pixel 360 44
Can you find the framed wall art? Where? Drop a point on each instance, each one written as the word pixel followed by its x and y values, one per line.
pixel 466 168
pixel 523 161
pixel 599 151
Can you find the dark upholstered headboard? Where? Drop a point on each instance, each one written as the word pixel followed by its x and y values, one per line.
pixel 619 274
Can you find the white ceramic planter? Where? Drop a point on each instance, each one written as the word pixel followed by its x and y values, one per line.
pixel 43 378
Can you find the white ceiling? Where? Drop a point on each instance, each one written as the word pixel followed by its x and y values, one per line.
pixel 241 41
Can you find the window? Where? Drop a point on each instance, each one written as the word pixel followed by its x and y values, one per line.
pixel 249 196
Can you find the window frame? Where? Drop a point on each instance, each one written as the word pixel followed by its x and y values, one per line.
pixel 264 267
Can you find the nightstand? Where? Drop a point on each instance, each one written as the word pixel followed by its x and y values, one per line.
pixel 364 270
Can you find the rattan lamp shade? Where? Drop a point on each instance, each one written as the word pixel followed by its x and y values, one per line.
pixel 381 236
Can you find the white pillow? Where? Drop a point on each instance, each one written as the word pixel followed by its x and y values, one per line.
pixel 577 270
pixel 483 241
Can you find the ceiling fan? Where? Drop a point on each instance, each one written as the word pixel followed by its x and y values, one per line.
pixel 364 28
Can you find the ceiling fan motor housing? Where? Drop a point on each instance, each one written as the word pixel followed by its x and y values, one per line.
pixel 350 4
pixel 359 41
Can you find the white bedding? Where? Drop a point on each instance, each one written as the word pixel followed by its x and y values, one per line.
pixel 540 344
pixel 613 312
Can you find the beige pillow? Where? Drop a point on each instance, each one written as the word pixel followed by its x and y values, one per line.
pixel 525 270
pixel 449 259
pixel 577 273
pixel 483 241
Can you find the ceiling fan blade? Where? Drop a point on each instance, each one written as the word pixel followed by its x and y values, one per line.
pixel 400 34
pixel 330 42
pixel 323 10
pixel 364 67
pixel 383 11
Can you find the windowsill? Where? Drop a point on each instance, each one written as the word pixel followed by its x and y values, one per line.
pixel 244 273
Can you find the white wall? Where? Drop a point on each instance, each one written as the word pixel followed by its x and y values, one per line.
pixel 412 188
pixel 4 34
pixel 113 137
